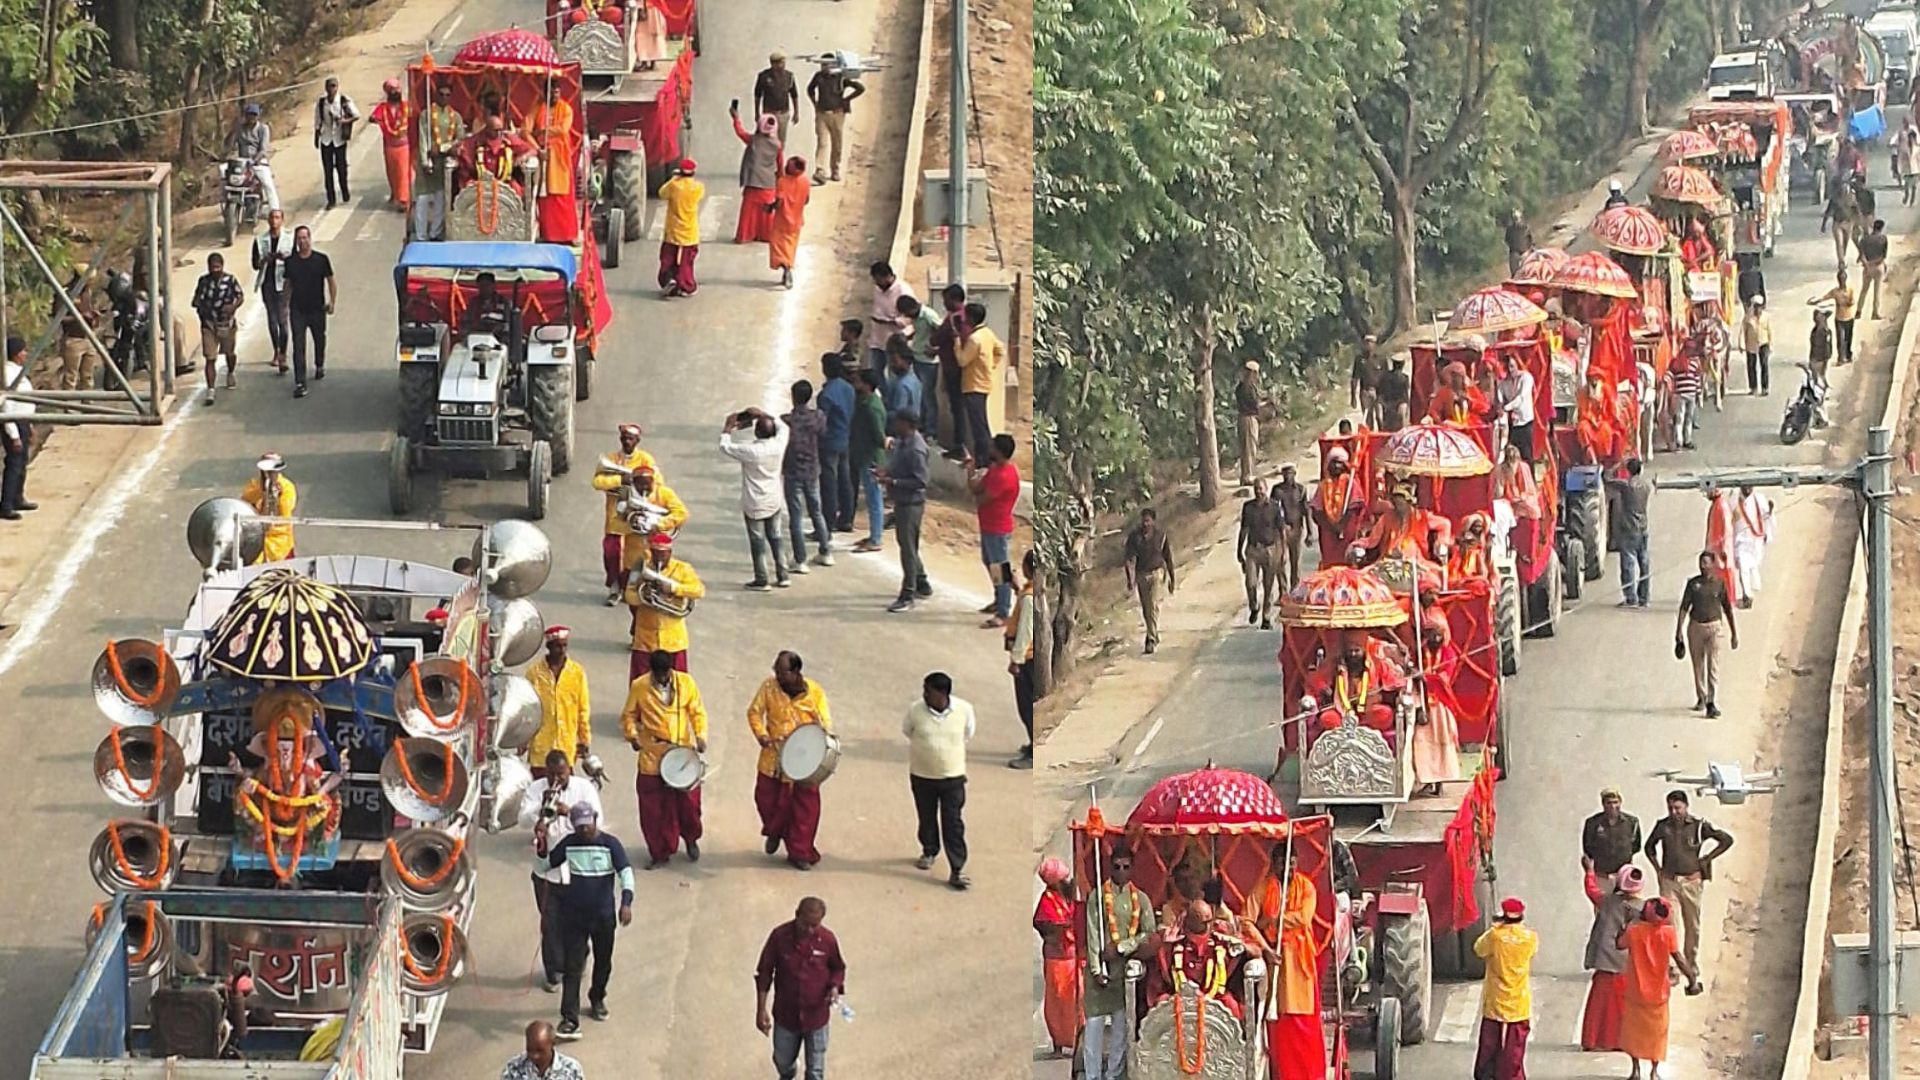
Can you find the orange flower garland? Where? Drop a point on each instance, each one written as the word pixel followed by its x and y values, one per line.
pixel 425 883
pixel 120 679
pixel 120 762
pixel 446 954
pixel 159 870
pixel 460 710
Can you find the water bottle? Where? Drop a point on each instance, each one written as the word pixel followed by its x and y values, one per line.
pixel 846 1011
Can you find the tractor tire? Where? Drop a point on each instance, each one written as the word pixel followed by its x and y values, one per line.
pixel 1587 522
pixel 419 393
pixel 400 476
pixel 627 193
pixel 1406 958
pixel 539 477
pixel 1544 602
pixel 1573 583
pixel 1507 624
pixel 1386 1040
pixel 693 34
pixel 550 412
pixel 582 373
pixel 1503 737
pixel 616 238
pixel 1471 965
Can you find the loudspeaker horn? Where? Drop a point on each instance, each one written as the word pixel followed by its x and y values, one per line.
pixel 423 779
pixel 149 937
pixel 135 682
pixel 433 950
pixel 132 855
pixel 219 533
pixel 429 869
pixel 517 714
pixel 139 766
pixel 517 628
pixel 514 558
pixel 508 782
pixel 439 697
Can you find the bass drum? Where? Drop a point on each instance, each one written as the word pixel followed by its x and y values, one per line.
pixel 809 755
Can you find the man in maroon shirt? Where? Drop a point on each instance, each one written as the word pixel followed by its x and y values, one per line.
pixel 996 489
pixel 802 968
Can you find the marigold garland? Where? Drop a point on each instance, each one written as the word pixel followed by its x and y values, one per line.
pixel 459 711
pixel 159 764
pixel 446 953
pixel 120 679
pixel 425 883
pixel 446 788
pixel 120 857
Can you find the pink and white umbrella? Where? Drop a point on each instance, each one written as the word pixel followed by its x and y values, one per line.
pixel 1632 229
pixel 1434 450
pixel 1493 310
pixel 1597 274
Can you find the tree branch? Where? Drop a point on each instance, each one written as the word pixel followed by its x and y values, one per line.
pixel 1370 151
pixel 1471 108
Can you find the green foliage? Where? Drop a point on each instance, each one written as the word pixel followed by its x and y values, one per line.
pixel 37 79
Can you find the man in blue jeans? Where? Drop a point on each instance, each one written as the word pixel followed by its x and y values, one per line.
pixel 922 324
pixel 802 970
pixel 867 451
pixel 1630 495
pixel 836 477
pixel 800 474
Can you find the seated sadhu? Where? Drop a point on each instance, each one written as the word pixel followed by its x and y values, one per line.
pixel 1457 401
pixel 1697 251
pixel 1472 559
pixel 492 153
pixel 1364 680
pixel 1197 954
pixel 1405 531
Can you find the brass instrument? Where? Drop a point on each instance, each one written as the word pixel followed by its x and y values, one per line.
pixel 658 591
pixel 642 515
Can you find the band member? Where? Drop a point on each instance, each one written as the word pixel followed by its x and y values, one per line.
pixel 566 724
pixel 632 458
pixel 648 486
pixel 663 711
pixel 1195 953
pixel 1278 923
pixel 660 592
pixel 438 145
pixel 1339 504
pixel 551 821
pixel 552 123
pixel 271 494
pixel 1363 681
pixel 789 811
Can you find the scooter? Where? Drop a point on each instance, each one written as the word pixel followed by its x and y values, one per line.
pixel 1803 409
pixel 240 197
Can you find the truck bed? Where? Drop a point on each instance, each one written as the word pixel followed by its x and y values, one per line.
pixel 638 86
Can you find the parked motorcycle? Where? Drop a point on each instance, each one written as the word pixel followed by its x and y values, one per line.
pixel 1803 409
pixel 239 199
pixel 132 350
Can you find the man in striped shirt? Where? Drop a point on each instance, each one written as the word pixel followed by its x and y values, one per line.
pixel 584 907
pixel 1687 387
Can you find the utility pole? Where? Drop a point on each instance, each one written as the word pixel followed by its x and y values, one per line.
pixel 957 152
pixel 1873 478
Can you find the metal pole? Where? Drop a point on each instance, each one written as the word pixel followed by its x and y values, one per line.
pixel 1877 485
pixel 165 292
pixel 957 153
pixel 157 341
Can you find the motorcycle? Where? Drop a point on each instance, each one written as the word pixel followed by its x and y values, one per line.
pixel 1803 409
pixel 239 197
pixel 132 350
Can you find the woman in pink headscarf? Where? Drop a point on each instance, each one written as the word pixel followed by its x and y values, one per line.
pixel 759 178
pixel 1054 921
pixel 1614 904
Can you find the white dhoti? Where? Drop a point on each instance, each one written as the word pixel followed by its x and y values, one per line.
pixel 269 192
pixel 1748 551
pixel 1436 746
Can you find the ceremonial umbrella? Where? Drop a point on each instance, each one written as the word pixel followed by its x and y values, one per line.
pixel 1341 597
pixel 1685 184
pixel 1434 450
pixel 1208 800
pixel 511 48
pixel 1688 145
pixel 1537 266
pixel 285 626
pixel 1632 229
pixel 1597 274
pixel 1492 310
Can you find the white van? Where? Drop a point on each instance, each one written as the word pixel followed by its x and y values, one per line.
pixel 1896 28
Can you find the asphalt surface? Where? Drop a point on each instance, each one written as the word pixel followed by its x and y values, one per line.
pixel 930 969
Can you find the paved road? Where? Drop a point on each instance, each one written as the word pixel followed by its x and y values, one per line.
pixel 928 967
pixel 1602 703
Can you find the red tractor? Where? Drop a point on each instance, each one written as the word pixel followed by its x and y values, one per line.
pixel 636 63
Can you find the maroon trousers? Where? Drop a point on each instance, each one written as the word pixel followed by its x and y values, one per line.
pixel 666 816
pixel 1503 1050
pixel 610 559
pixel 637 663
pixel 676 267
pixel 789 813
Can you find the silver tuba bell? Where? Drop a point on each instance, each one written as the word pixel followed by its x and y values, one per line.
pixel 514 558
pixel 433 951
pixel 657 592
pixel 424 779
pixel 131 855
pixel 516 711
pixel 439 697
pixel 149 937
pixel 135 682
pixel 517 628
pixel 508 782
pixel 429 869
pixel 641 514
pixel 222 534
pixel 139 766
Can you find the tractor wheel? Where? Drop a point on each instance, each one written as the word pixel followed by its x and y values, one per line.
pixel 550 411
pixel 1543 602
pixel 1572 554
pixel 1386 1040
pixel 1506 619
pixel 1502 736
pixel 627 193
pixel 1406 955
pixel 1471 965
pixel 693 34
pixel 1587 522
pixel 616 238
pixel 419 393
pixel 582 373
pixel 400 476
pixel 539 476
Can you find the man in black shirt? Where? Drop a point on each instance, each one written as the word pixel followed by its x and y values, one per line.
pixel 832 91
pixel 1611 838
pixel 1704 606
pixel 1363 387
pixel 946 346
pixel 1259 552
pixel 1393 393
pixel 1296 520
pixel 1873 262
pixel 1674 847
pixel 216 297
pixel 776 94
pixel 311 293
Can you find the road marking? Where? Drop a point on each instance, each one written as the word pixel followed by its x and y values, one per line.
pixel 454 26
pixel 330 224
pixel 1152 733
pixel 373 231
pixel 1460 1020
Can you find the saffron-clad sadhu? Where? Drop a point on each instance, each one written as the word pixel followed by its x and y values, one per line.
pixel 789 811
pixel 1406 532
pixel 1363 679
pixel 1196 955
pixel 552 124
pixel 271 494
pixel 390 116
pixel 632 458
pixel 654 629
pixel 1278 923
pixel 664 710
pixel 566 716
pixel 789 216
pixel 1054 919
pixel 1339 507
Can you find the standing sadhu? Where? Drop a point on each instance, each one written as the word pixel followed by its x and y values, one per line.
pixel 390 116
pixel 566 716
pixel 759 176
pixel 659 622
pixel 1436 734
pixel 1615 898
pixel 1054 920
pixel 789 811
pixel 271 494
pixel 1339 505
pixel 789 214
pixel 612 543
pixel 1720 517
pixel 552 125
pixel 1752 531
pixel 664 711
pixel 1278 922
pixel 1651 948
pixel 680 237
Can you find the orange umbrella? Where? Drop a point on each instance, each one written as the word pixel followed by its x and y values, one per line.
pixel 1632 229
pixel 1341 597
pixel 1597 274
pixel 1537 266
pixel 1685 184
pixel 1683 146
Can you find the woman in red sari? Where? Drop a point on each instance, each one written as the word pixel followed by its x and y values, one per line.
pixel 1053 920
pixel 789 214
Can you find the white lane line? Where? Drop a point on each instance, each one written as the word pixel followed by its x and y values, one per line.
pixel 330 222
pixel 1147 740
pixel 1460 1020
pixel 454 26
pixel 374 229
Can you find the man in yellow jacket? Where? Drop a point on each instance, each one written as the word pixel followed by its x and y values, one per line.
pixel 680 239
pixel 983 359
pixel 566 722
pixel 663 711
pixel 655 630
pixel 789 811
pixel 271 494
pixel 633 458
pixel 648 485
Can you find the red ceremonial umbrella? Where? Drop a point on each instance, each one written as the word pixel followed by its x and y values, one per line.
pixel 1208 800
pixel 513 48
pixel 1685 184
pixel 1434 450
pixel 1683 146
pixel 1492 310
pixel 1537 266
pixel 1597 274
pixel 1632 229
pixel 1341 597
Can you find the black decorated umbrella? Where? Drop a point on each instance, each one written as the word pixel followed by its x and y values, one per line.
pixel 287 627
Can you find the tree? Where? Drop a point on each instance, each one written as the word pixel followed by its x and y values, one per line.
pixel 1644 22
pixel 121 21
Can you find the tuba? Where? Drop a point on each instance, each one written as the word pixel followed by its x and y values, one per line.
pixel 508 783
pixel 131 855
pixel 514 558
pixel 139 766
pixel 429 869
pixel 432 951
pixel 149 936
pixel 641 514
pixel 135 682
pixel 424 779
pixel 656 591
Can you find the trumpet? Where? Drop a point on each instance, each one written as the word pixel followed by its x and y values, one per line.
pixel 661 592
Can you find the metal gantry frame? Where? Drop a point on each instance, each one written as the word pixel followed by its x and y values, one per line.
pixel 124 403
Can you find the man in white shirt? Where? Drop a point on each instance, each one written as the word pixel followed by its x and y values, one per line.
pixel 1517 401
pixel 333 117
pixel 547 816
pixel 885 319
pixel 1752 530
pixel 763 500
pixel 17 432
pixel 938 728
pixel 1647 393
